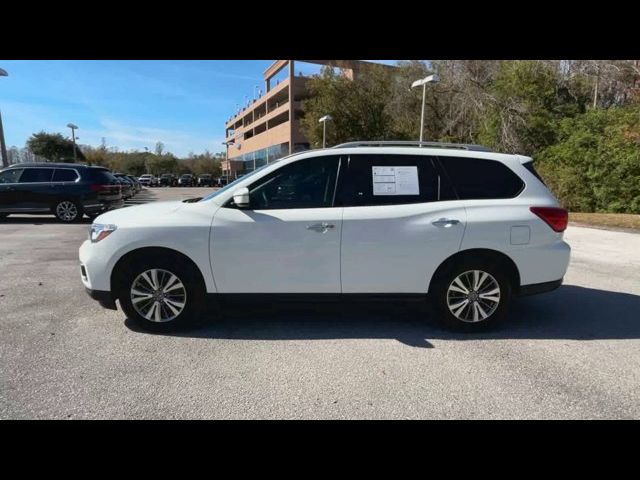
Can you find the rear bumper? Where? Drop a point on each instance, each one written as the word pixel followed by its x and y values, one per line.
pixel 536 288
pixel 102 205
pixel 103 298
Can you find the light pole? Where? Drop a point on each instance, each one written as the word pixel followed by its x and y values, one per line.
pixel 73 135
pixel 3 146
pixel 324 121
pixel 423 83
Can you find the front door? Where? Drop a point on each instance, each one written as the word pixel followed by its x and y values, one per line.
pixel 288 240
pixel 8 188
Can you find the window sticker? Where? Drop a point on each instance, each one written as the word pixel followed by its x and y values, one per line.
pixel 395 181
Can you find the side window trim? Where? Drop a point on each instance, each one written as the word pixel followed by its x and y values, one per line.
pixel 443 171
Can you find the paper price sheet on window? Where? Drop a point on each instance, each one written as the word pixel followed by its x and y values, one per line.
pixel 395 181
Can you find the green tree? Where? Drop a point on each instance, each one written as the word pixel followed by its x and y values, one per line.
pixel 53 147
pixel 357 107
pixel 595 165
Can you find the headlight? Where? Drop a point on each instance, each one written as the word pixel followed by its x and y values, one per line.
pixel 98 231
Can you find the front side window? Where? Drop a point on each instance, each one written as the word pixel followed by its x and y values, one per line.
pixel 10 176
pixel 475 178
pixel 36 175
pixel 386 179
pixel 308 183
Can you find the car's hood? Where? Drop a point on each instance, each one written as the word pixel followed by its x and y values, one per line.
pixel 141 214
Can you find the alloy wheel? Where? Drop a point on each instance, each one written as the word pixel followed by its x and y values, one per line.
pixel 67 211
pixel 158 295
pixel 473 296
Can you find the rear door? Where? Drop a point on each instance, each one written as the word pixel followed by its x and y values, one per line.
pixel 401 221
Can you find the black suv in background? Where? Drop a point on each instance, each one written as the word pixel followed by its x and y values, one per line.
pixel 67 190
pixel 128 187
pixel 185 180
pixel 168 180
pixel 205 180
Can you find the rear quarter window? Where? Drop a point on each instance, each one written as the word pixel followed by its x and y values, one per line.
pixel 475 178
pixel 101 176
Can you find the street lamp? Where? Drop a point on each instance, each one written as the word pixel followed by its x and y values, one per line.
pixel 73 135
pixel 423 83
pixel 3 146
pixel 324 121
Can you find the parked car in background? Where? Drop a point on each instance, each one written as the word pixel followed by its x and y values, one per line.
pixel 459 225
pixel 168 180
pixel 185 180
pixel 148 180
pixel 127 185
pixel 205 180
pixel 222 181
pixel 66 190
pixel 136 183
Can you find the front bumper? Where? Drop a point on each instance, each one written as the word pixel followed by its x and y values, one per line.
pixel 105 299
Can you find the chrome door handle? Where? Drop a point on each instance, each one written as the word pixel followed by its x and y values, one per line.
pixel 445 222
pixel 321 227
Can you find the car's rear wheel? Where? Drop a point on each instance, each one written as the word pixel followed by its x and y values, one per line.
pixel 472 296
pixel 161 295
pixel 67 211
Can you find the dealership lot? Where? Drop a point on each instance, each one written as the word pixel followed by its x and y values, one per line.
pixel 572 353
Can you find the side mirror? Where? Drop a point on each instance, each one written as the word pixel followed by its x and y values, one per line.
pixel 241 197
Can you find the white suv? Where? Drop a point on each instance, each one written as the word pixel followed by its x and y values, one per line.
pixel 462 225
pixel 148 180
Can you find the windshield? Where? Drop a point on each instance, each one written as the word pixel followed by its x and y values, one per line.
pixel 235 182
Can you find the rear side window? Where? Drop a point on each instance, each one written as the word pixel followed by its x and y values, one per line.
pixel 101 176
pixel 393 180
pixel 475 178
pixel 65 175
pixel 529 166
pixel 36 175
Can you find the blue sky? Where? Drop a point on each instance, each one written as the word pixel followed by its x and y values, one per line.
pixel 132 104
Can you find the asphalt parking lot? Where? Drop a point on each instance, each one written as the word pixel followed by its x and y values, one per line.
pixel 572 353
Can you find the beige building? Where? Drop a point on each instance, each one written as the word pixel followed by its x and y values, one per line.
pixel 269 127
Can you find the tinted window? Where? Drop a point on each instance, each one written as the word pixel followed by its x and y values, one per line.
pixel 10 176
pixel 475 178
pixel 529 166
pixel 391 180
pixel 100 175
pixel 64 175
pixel 36 175
pixel 308 183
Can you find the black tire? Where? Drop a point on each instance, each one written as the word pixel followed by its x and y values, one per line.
pixel 443 297
pixel 194 297
pixel 68 211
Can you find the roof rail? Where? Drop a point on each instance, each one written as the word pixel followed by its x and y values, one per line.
pixel 411 143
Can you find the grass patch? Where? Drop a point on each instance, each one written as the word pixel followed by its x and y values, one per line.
pixel 616 220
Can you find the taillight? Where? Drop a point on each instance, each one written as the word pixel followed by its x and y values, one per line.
pixel 556 218
pixel 102 188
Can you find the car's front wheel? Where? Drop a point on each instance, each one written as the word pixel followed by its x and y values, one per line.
pixel 161 295
pixel 472 296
